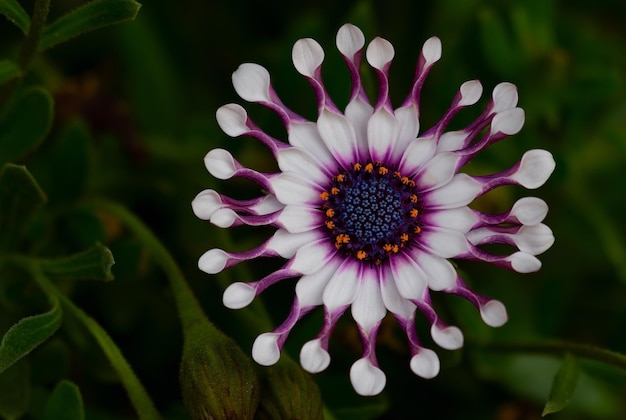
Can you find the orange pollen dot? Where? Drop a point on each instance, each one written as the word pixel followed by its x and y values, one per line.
pixel 383 171
pixel 342 238
pixel 377 262
pixel 361 254
pixel 414 212
pixel 340 178
pixel 404 237
pixel 418 229
pixel 387 247
pixel 334 190
pixel 369 167
pixel 330 224
pixel 357 166
pixel 413 198
pixel 330 213
pixel 397 174
pixel 325 196
pixel 405 180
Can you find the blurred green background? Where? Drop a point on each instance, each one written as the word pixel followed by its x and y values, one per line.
pixel 134 108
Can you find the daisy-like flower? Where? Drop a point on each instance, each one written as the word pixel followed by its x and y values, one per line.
pixel 368 210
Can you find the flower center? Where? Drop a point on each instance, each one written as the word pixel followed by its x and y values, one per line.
pixel 371 212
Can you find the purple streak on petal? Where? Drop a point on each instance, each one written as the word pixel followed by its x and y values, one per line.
pixel 408 325
pixel 421 72
pixel 273 278
pixel 330 320
pixel 273 144
pixel 262 250
pixel 256 220
pixel 253 206
pixel 461 289
pixel 368 340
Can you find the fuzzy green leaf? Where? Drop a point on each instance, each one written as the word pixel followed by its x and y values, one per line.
pixel 15 13
pixel 24 123
pixel 94 264
pixel 563 386
pixel 89 17
pixel 65 403
pixel 20 196
pixel 8 70
pixel 27 334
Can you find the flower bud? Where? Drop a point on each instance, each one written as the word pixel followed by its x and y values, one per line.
pixel 288 392
pixel 218 381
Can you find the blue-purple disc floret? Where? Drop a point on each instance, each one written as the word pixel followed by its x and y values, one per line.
pixel 369 208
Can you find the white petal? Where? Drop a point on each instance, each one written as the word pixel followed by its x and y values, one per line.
pixel 350 40
pixel 460 218
pixel 382 132
pixel 307 56
pixel 312 256
pixel 445 243
pixel 306 136
pixel 425 364
pixel 366 378
pixel 359 113
pixel 529 210
pixel 438 171
pixel 432 50
pixel 460 191
pixel 252 82
pixel 300 161
pixel 379 53
pixel 504 97
pixel 494 313
pixel 213 261
pixel 338 135
pixel 297 219
pixel 524 263
pixel 290 188
pixel 508 122
pixel 452 141
pixel 269 204
pixel 224 218
pixel 232 119
pixel 535 168
pixel 439 272
pixel 449 338
pixel 534 239
pixel 342 287
pixel 313 357
pixel 471 92
pixel 417 153
pixel 310 287
pixel 238 295
pixel 394 302
pixel 368 307
pixel 220 163
pixel 409 125
pixel 409 278
pixel 265 349
pixel 205 204
pixel 286 244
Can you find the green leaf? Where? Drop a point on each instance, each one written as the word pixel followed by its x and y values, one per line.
pixel 89 17
pixel 24 123
pixel 20 196
pixel 95 263
pixel 28 333
pixel 65 403
pixel 8 70
pixel 15 390
pixel 563 386
pixel 15 13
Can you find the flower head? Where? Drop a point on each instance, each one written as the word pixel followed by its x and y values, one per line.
pixel 369 210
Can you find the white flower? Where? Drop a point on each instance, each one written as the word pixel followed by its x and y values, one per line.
pixel 368 210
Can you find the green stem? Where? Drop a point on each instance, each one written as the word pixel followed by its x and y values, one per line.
pixel 31 42
pixel 560 347
pixel 29 46
pixel 136 392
